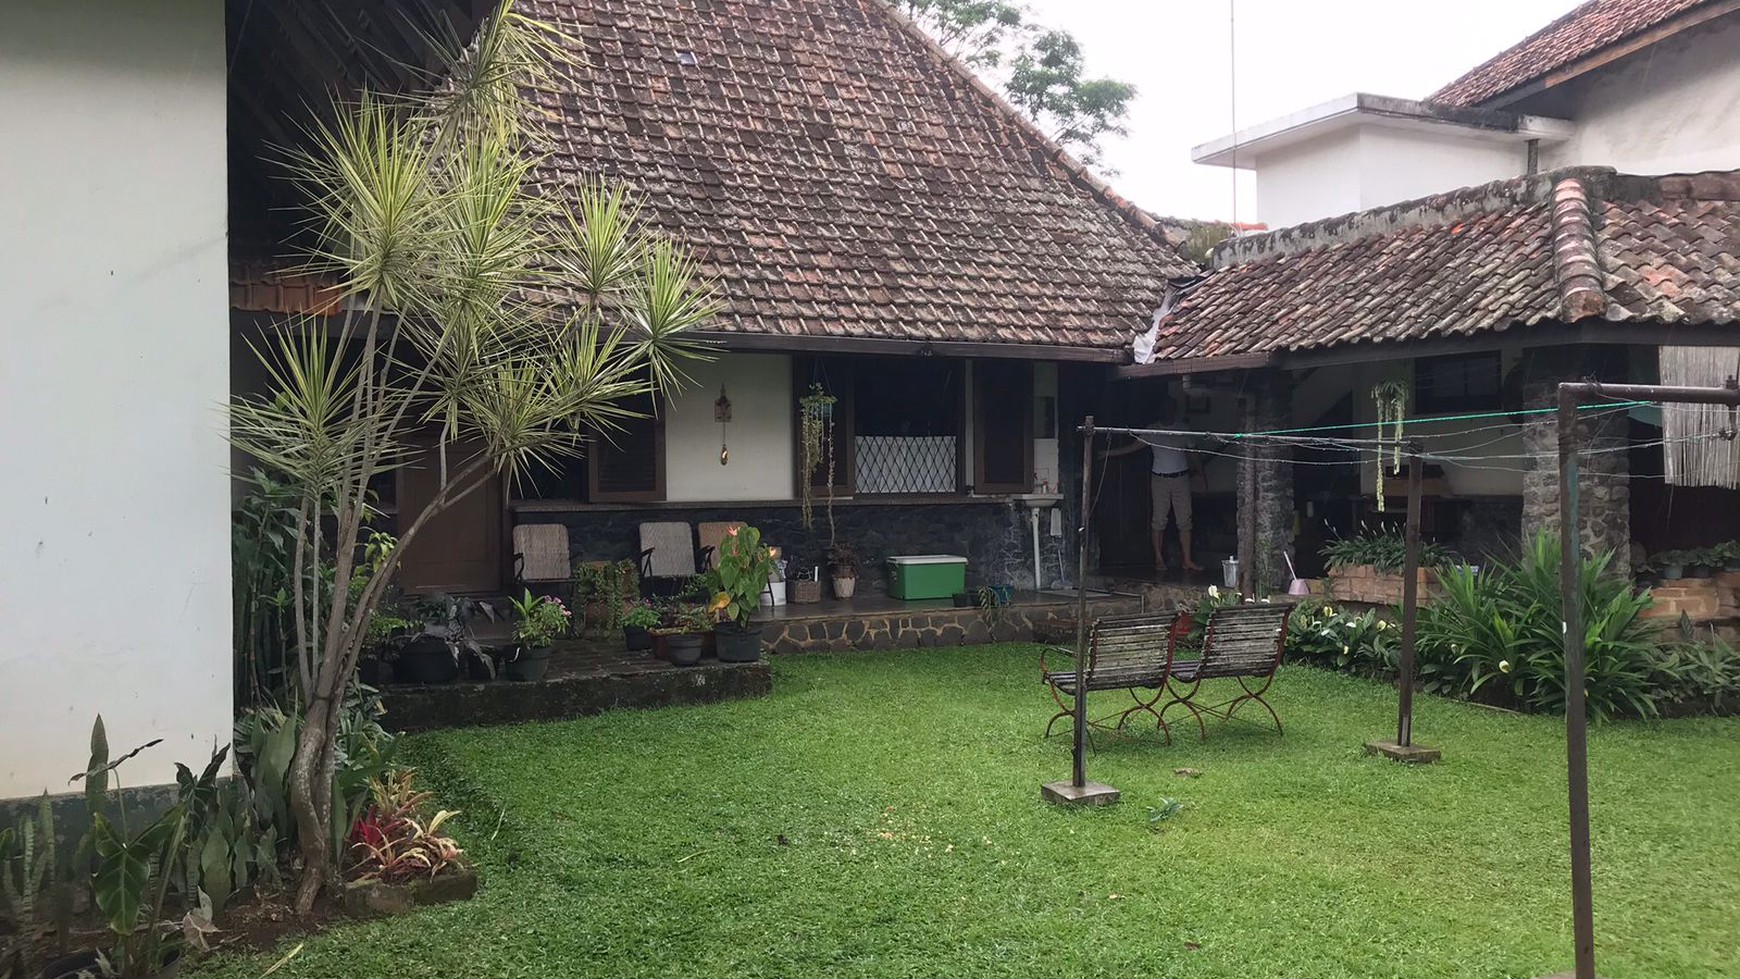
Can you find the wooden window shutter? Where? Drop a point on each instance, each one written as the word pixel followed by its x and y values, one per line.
pixel 628 464
pixel 1002 426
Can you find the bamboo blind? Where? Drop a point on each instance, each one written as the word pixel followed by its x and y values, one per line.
pixel 1696 454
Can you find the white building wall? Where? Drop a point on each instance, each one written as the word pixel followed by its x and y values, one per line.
pixel 1367 166
pixel 115 558
pixel 1402 164
pixel 760 436
pixel 1672 109
pixel 1311 180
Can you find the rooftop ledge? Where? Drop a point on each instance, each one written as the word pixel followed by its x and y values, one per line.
pixel 1361 108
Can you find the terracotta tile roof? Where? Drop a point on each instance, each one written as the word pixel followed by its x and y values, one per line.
pixel 838 175
pixel 1557 247
pixel 1582 32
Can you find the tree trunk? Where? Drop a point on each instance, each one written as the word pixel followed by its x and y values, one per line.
pixel 313 823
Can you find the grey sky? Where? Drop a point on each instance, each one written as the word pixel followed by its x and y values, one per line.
pixel 1291 54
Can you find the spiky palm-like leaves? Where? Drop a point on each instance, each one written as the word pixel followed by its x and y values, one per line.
pixel 477 304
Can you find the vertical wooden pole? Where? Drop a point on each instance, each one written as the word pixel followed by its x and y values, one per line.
pixel 1576 716
pixel 1248 508
pixel 1078 775
pixel 1410 599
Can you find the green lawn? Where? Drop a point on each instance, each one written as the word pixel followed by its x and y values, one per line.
pixel 879 816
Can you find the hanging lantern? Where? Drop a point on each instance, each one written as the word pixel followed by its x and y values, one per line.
pixel 722 415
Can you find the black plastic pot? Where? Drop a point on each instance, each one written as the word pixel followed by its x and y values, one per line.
pixel 529 666
pixel 964 599
pixel 1698 571
pixel 372 671
pixel 478 666
pixel 426 659
pixel 739 644
pixel 684 647
pixel 637 638
pixel 1672 572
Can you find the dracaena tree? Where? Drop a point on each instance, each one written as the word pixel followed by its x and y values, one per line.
pixel 503 316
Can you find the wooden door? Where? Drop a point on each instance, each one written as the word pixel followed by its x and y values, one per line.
pixel 462 549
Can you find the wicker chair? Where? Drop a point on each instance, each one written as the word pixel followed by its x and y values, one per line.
pixel 1126 652
pixel 667 558
pixel 541 557
pixel 1241 642
pixel 713 533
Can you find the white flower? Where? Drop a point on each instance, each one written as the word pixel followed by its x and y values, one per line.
pixel 1382 625
pixel 1344 650
pixel 1213 592
pixel 1504 666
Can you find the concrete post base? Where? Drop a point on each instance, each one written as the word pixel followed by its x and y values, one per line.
pixel 1068 794
pixel 1412 754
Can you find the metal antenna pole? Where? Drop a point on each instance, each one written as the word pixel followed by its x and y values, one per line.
pixel 1410 599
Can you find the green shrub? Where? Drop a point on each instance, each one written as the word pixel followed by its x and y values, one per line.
pixel 1501 631
pixel 1385 550
pixel 1353 642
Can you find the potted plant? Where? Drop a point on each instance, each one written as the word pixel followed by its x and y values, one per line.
pixel 680 640
pixel 601 588
pixel 434 656
pixel 843 568
pixel 538 620
pixel 1701 563
pixel 388 631
pixel 1730 552
pixel 1671 564
pixel 744 569
pixel 637 617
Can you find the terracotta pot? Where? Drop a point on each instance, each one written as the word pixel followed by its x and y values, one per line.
pixel 845 587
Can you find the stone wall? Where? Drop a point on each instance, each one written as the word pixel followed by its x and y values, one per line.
pixel 1271 409
pixel 994 536
pixel 1604 483
pixel 935 627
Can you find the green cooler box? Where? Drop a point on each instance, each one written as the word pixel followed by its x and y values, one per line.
pixel 914 576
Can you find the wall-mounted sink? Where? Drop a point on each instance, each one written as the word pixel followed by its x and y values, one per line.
pixel 1038 501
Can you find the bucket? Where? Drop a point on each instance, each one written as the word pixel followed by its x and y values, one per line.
pixel 1229 572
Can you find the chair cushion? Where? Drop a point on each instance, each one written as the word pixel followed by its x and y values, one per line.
pixel 543 552
pixel 673 548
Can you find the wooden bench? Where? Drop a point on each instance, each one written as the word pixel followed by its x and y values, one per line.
pixel 1240 642
pixel 1125 652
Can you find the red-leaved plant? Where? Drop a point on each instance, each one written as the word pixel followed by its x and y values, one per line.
pixel 391 843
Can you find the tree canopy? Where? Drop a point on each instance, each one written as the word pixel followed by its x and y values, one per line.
pixel 1041 70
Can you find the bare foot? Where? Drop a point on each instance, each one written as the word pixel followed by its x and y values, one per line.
pixel 1160 569
pixel 1192 566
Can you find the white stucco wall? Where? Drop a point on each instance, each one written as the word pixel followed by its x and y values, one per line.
pixel 115 558
pixel 1674 108
pixel 1366 166
pixel 1311 180
pixel 1403 164
pixel 762 465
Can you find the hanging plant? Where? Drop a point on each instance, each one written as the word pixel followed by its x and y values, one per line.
pixel 1391 398
pixel 816 448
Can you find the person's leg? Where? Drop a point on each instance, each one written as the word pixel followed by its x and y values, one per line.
pixel 1181 512
pixel 1160 502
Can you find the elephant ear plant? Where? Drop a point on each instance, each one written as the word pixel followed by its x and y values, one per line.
pixel 504 316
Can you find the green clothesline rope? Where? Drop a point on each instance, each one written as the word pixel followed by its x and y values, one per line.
pixel 1450 418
